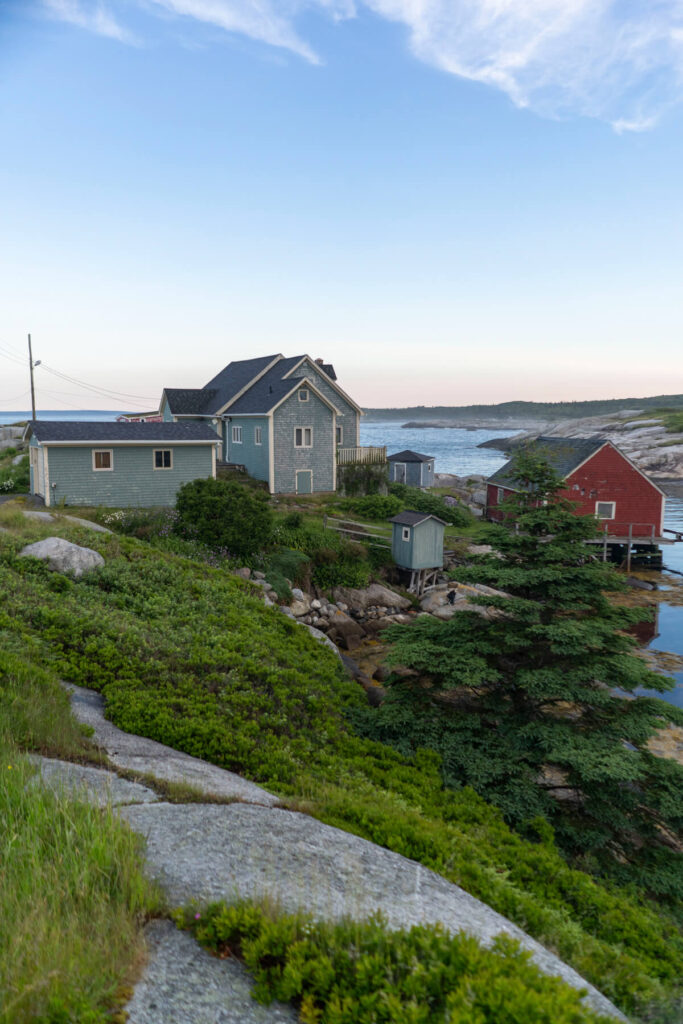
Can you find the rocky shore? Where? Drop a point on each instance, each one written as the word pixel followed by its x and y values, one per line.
pixel 645 441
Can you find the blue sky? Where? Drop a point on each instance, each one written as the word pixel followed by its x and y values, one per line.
pixel 464 201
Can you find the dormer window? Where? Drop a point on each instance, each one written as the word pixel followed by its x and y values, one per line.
pixel 303 394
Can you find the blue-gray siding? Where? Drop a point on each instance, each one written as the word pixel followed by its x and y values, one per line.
pixel 253 456
pixel 133 482
pixel 424 547
pixel 288 459
pixel 349 418
pixel 417 474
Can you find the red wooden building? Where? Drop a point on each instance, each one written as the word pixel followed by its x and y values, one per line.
pixel 602 482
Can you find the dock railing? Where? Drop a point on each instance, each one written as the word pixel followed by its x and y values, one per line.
pixel 348 456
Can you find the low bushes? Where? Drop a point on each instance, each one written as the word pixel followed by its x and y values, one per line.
pixel 433 504
pixel 15 479
pixel 361 973
pixel 185 655
pixel 375 506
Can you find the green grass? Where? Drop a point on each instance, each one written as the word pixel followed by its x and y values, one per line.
pixel 72 894
pixel 362 973
pixel 186 655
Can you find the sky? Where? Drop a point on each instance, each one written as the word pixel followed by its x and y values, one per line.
pixel 453 201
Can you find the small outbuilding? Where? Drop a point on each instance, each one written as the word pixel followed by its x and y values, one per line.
pixel 125 465
pixel 417 545
pixel 411 468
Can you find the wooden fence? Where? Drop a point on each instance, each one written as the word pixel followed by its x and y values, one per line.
pixel 348 456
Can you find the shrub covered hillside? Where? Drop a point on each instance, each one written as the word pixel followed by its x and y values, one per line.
pixel 188 655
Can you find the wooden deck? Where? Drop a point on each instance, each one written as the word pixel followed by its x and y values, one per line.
pixel 369 454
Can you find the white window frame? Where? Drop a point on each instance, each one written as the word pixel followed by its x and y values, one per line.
pixel 339 433
pixel 103 451
pixel 154 459
pixel 405 533
pixel 500 496
pixel 258 435
pixel 303 437
pixel 304 394
pixel 236 434
pixel 613 506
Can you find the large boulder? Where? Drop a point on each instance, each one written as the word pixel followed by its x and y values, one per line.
pixel 63 556
pixel 345 631
pixel 375 594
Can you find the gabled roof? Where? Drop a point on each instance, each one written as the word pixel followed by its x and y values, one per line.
pixel 248 387
pixel 85 432
pixel 408 456
pixel 564 454
pixel 191 401
pixel 409 518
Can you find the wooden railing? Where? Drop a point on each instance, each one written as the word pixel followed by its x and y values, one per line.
pixel 347 456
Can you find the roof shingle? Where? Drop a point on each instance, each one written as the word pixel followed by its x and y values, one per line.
pixel 118 433
pixel 564 454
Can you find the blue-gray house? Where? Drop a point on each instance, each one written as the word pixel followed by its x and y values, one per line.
pixel 411 468
pixel 117 464
pixel 285 419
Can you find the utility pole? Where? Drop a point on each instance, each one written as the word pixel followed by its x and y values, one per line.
pixel 31 364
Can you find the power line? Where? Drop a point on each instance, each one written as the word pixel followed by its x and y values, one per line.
pixel 93 387
pixel 15 398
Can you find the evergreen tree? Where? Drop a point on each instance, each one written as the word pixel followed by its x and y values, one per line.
pixel 531 706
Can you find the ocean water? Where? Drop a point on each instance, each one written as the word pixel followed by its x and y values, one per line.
pixel 99 415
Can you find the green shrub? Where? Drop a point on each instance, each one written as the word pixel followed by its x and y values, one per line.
pixel 224 515
pixel 16 479
pixel 432 504
pixel 8 453
pixel 343 573
pixel 362 973
pixel 374 506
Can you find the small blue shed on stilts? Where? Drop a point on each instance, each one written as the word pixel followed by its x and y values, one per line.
pixel 417 546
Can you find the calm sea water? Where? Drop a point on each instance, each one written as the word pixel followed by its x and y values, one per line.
pixel 99 415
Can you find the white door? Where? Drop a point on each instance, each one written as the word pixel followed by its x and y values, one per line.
pixel 38 471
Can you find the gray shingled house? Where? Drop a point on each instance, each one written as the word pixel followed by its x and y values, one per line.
pixel 285 419
pixel 411 468
pixel 117 464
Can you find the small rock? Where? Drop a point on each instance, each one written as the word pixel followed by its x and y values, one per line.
pixel 298 594
pixel 258 575
pixel 244 572
pixel 315 604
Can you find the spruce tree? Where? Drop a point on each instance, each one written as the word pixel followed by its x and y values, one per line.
pixel 532 706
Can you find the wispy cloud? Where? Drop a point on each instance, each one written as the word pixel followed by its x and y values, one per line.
pixel 94 17
pixel 617 60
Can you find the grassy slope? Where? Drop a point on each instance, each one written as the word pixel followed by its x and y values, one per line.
pixel 185 654
pixel 72 894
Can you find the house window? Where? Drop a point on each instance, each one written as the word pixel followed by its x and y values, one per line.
pixel 405 533
pixel 237 435
pixel 501 494
pixel 103 458
pixel 258 437
pixel 303 395
pixel 163 458
pixel 303 437
pixel 605 509
pixel 340 435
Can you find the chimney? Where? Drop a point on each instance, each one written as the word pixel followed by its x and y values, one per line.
pixel 320 362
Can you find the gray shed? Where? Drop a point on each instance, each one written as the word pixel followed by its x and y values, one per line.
pixel 411 468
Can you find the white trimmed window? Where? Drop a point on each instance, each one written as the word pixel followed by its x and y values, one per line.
pixel 102 459
pixel 163 458
pixel 237 435
pixel 303 394
pixel 605 509
pixel 303 437
pixel 501 494
pixel 258 435
pixel 340 435
pixel 405 533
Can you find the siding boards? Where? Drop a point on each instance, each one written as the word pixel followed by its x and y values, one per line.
pixel 133 482
pixel 253 456
pixel 349 417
